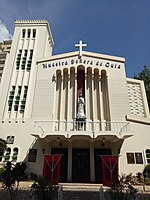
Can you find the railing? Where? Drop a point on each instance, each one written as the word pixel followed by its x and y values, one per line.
pixel 56 126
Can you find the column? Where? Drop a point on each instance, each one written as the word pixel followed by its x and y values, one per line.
pixel 72 100
pixel 105 97
pixel 101 104
pixel 93 101
pixel 75 99
pixel 61 104
pixel 92 166
pixel 68 108
pixel 97 101
pixel 69 175
pixel 86 96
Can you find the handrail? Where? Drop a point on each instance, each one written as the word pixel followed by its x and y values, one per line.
pixel 92 126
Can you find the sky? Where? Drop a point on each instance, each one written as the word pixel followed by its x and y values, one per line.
pixel 113 27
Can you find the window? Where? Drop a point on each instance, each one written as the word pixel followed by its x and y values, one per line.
pixel 7 154
pixel 19 90
pixel 23 33
pixel 29 32
pixel 23 102
pixel 31 54
pixel 34 33
pixel 148 155
pixel 25 52
pixel 18 59
pixel 15 154
pixel 134 158
pixel 10 139
pixel 130 158
pixel 32 155
pixel 138 158
pixel 11 97
pixel 25 89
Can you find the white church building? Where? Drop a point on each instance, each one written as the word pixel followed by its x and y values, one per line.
pixel 78 104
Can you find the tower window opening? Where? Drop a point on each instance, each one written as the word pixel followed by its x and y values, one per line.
pixel 25 52
pixel 29 33
pixel 34 33
pixel 23 33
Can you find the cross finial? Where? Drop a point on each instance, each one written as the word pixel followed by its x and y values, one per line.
pixel 80 45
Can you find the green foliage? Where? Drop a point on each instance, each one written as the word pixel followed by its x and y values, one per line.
pixel 117 190
pixel 7 176
pixel 11 175
pixel 145 76
pixel 2 144
pixel 146 174
pixel 33 177
pixel 43 191
pixel 20 172
pixel 121 189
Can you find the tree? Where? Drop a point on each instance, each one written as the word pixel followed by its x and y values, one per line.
pixel 11 175
pixel 2 144
pixel 145 76
pixel 2 147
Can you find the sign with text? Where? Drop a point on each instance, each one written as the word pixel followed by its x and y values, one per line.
pixel 84 61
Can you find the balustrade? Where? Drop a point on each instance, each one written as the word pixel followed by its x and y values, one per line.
pixel 89 126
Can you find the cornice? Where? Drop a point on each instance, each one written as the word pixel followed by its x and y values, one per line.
pixel 36 22
pixel 31 21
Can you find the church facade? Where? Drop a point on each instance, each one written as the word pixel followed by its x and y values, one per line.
pixel 79 104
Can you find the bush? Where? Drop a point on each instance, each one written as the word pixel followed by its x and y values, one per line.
pixel 146 174
pixel 11 175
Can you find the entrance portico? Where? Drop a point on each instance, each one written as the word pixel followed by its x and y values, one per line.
pixel 81 160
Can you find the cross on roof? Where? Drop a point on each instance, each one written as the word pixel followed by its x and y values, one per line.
pixel 80 45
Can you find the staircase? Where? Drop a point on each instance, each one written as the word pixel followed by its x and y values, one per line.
pixel 80 191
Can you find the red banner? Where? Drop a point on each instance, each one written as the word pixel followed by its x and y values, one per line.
pixel 110 170
pixel 51 169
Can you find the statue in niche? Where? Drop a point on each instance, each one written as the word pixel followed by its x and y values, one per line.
pixel 80 117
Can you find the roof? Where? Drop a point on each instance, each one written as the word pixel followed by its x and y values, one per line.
pixel 84 53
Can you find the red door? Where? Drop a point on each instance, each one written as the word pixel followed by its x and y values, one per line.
pixel 51 169
pixel 110 170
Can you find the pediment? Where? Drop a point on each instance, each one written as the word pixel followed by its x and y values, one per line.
pixel 85 55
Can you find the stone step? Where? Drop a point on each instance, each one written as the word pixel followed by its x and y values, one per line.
pixel 80 186
pixel 80 195
pixel 80 191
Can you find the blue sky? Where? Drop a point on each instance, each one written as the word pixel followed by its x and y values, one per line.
pixel 113 27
